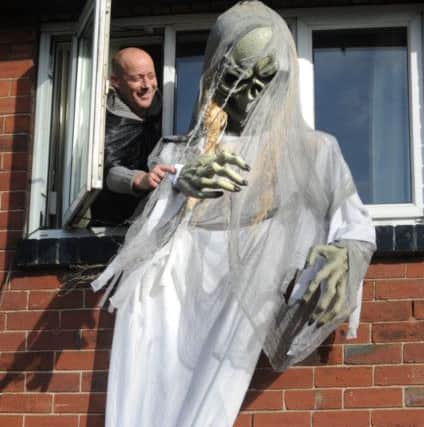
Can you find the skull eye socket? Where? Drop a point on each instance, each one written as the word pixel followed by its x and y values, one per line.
pixel 229 79
pixel 266 68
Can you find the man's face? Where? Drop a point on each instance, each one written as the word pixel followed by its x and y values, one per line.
pixel 137 82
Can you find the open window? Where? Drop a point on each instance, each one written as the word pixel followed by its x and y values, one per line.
pixel 70 113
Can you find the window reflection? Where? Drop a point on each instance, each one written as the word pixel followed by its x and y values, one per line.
pixel 188 64
pixel 361 97
pixel 82 112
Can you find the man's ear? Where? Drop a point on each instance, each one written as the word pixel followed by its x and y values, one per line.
pixel 114 81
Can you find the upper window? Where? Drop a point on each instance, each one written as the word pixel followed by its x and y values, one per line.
pixel 361 96
pixel 367 93
pixel 361 82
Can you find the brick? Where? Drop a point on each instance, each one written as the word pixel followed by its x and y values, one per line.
pixel 399 289
pixel 372 354
pixel 80 403
pixel 292 378
pixel 13 200
pixel 292 419
pixel 397 418
pixel 5 87
pixel 415 269
pixel 386 270
pixel 340 419
pixel 373 398
pixel 32 321
pixel 9 35
pixel 263 400
pixel 51 420
pixel 9 239
pixel 11 420
pixel 52 300
pixel 83 360
pixel 54 340
pixel 101 339
pixel 343 377
pixel 21 104
pixel 15 69
pixel 25 402
pixel 34 281
pixel 15 143
pixel 13 300
pixel 14 161
pixel 12 220
pixel 324 355
pixel 17 124
pixel 12 382
pixel 54 382
pixel 381 311
pixel 94 420
pixel 418 307
pixel 339 335
pixel 22 86
pixel 6 258
pixel 398 332
pixel 413 353
pixel 399 375
pixel 12 341
pixel 313 399
pixel 28 361
pixel 368 290
pixel 97 382
pixel 77 319
pixel 414 396
pixel 13 181
pixel 21 51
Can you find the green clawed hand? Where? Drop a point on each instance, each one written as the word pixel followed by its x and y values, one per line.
pixel 334 273
pixel 212 172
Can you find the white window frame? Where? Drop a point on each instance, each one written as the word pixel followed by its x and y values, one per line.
pixel 358 18
pixel 99 10
pixel 304 21
pixel 38 206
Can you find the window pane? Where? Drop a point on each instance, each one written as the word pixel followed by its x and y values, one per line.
pixel 60 116
pixel 361 97
pixel 188 64
pixel 82 112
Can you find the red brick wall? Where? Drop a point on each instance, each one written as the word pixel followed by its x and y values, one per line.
pixel 54 346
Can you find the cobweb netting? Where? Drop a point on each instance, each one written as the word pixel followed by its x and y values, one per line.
pixel 297 180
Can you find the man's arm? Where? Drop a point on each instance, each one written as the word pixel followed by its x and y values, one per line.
pixel 130 181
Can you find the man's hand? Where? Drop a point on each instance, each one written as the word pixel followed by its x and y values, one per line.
pixel 150 180
pixel 334 273
pixel 211 171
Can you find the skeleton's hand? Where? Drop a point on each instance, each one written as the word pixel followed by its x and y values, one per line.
pixel 334 272
pixel 211 171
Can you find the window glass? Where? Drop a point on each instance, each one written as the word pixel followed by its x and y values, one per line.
pixel 188 64
pixel 61 68
pixel 82 113
pixel 361 97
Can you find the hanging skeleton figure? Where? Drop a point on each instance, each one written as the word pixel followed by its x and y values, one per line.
pixel 213 270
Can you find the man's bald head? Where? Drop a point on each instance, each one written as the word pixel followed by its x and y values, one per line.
pixel 134 77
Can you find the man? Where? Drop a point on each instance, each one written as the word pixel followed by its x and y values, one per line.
pixel 132 130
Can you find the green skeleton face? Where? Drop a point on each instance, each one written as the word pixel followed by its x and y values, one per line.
pixel 242 82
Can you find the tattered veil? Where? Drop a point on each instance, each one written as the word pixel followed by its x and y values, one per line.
pixel 297 181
